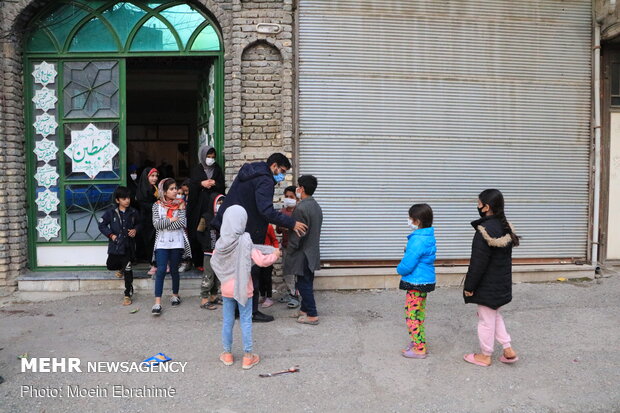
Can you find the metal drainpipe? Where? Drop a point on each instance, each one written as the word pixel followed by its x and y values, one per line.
pixel 597 143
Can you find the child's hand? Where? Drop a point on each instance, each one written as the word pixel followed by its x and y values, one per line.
pixel 174 219
pixel 132 233
pixel 468 293
pixel 278 253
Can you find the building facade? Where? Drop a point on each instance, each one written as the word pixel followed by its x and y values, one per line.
pixel 388 103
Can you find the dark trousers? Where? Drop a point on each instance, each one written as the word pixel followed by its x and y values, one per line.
pixel 255 284
pixel 265 285
pixel 305 286
pixel 164 257
pixel 210 284
pixel 128 275
pixel 122 263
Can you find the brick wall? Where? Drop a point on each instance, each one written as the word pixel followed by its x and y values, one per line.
pixel 271 88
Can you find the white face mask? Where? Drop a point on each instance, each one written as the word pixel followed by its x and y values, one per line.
pixel 134 176
pixel 411 225
pixel 289 203
pixel 179 196
pixel 210 161
pixel 298 194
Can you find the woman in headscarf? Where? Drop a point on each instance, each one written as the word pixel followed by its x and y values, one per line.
pixel 232 262
pixel 146 195
pixel 206 179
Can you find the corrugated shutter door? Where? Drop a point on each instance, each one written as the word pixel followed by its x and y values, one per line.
pixel 433 101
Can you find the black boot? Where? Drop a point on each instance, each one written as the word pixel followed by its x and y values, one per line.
pixel 259 317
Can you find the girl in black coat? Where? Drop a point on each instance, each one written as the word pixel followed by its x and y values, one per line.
pixel 146 196
pixel 488 282
pixel 206 180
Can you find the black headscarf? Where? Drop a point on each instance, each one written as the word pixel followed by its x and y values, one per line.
pixel 146 191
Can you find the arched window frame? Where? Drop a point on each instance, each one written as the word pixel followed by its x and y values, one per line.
pixel 122 49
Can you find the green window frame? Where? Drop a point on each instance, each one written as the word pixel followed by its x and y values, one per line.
pixel 57 36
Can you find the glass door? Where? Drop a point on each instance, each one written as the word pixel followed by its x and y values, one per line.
pixel 79 149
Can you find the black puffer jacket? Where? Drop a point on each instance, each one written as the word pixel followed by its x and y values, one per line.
pixel 253 189
pixel 489 275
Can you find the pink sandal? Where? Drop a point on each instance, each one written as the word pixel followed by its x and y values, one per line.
pixel 507 360
pixel 471 359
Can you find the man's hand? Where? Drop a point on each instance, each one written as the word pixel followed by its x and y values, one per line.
pixel 132 233
pixel 468 293
pixel 300 228
pixel 113 237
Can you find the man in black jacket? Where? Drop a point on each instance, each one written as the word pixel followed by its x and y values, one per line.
pixel 253 189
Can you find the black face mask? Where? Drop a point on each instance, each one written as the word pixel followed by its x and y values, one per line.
pixel 482 214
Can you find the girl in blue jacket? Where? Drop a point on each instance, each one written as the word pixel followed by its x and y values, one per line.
pixel 418 276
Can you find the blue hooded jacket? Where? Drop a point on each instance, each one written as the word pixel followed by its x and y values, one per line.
pixel 417 266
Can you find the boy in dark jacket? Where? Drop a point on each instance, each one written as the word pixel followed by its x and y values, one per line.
pixel 303 256
pixel 119 223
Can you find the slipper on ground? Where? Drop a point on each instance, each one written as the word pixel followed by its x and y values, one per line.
pixel 471 359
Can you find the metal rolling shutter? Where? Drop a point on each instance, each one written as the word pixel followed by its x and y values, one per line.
pixel 413 101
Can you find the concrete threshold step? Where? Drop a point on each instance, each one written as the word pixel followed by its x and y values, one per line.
pixel 326 279
pixel 76 281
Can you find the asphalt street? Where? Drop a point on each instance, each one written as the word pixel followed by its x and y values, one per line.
pixel 566 334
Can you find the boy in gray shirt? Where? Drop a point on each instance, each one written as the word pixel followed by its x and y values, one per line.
pixel 303 256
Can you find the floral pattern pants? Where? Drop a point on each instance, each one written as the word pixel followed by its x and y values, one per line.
pixel 415 312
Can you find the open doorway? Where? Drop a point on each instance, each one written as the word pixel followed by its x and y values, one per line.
pixel 163 113
pixel 165 117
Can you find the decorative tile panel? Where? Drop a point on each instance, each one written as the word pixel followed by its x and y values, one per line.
pixel 47 201
pixel 91 150
pixel 45 99
pixel 48 227
pixel 45 150
pixel 44 73
pixel 45 125
pixel 46 176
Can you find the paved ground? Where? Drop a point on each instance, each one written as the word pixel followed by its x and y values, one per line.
pixel 567 335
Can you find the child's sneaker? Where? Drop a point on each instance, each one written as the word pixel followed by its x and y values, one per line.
pixel 174 300
pixel 227 359
pixel 267 303
pixel 156 310
pixel 250 361
pixel 127 300
pixel 411 354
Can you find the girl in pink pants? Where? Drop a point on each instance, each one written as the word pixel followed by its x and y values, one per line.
pixel 488 282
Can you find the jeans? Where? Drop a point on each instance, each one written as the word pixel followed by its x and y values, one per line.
pixel 305 286
pixel 164 258
pixel 245 318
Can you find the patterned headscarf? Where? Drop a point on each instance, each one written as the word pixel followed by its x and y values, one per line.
pixel 171 206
